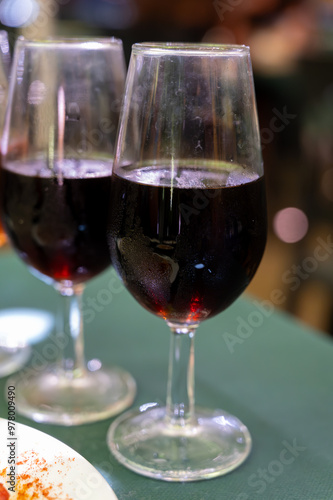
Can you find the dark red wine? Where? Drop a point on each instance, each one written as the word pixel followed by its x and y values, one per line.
pixel 57 222
pixel 186 248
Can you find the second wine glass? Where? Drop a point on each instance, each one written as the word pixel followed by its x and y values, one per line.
pixel 187 233
pixel 57 153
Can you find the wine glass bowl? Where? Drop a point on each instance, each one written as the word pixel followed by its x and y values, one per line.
pixel 57 154
pixel 187 231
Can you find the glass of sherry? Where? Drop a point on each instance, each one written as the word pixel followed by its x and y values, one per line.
pixel 57 155
pixel 187 232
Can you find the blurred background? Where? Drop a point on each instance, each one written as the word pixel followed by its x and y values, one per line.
pixel 292 53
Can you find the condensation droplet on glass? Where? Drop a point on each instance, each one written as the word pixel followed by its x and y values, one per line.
pixel 199 266
pixel 199 120
pixel 82 270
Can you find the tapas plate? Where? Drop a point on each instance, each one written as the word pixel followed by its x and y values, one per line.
pixel 36 465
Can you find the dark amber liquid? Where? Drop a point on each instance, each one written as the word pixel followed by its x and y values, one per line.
pixel 186 253
pixel 3 237
pixel 58 223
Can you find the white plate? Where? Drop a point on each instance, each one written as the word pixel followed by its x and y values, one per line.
pixel 21 327
pixel 52 468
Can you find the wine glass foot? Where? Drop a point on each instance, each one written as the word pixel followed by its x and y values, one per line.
pixel 58 397
pixel 213 445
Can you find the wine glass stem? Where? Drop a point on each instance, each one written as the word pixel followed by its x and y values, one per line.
pixel 71 331
pixel 180 389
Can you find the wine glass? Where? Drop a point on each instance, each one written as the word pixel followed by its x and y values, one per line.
pixel 57 148
pixel 19 327
pixel 186 234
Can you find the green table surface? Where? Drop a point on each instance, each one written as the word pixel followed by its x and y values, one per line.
pixel 275 375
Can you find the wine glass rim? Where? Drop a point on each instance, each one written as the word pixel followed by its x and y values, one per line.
pixel 189 48
pixel 63 41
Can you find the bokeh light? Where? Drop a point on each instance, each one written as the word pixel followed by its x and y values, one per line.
pixel 290 224
pixel 15 13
